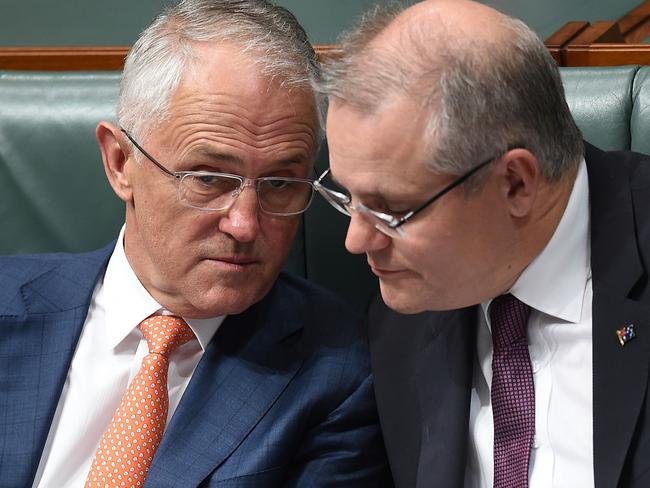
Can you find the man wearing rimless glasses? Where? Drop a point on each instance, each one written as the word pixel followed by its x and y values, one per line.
pixel 516 253
pixel 180 355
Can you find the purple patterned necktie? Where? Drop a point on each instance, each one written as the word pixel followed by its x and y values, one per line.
pixel 513 392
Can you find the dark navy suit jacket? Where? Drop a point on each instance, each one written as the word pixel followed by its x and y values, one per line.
pixel 423 363
pixel 281 397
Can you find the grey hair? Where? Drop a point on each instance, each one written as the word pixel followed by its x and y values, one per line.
pixel 162 54
pixel 483 96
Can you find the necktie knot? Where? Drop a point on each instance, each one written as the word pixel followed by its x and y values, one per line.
pixel 164 333
pixel 508 318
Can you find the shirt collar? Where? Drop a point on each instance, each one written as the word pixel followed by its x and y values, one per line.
pixel 128 302
pixel 554 282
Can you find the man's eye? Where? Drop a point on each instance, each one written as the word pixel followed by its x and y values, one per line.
pixel 397 210
pixel 210 183
pixel 207 179
pixel 278 184
pixel 383 207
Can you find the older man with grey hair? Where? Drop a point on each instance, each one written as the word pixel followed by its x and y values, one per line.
pixel 180 356
pixel 477 203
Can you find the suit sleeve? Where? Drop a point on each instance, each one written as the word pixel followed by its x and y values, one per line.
pixel 346 449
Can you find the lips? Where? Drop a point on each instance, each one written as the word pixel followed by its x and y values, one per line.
pixel 385 273
pixel 383 270
pixel 242 260
pixel 235 261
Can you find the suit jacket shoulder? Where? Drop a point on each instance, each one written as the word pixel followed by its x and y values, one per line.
pixel 41 283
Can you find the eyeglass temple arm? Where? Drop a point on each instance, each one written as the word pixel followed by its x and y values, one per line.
pixel 447 189
pixel 147 155
pixel 325 173
pixel 442 192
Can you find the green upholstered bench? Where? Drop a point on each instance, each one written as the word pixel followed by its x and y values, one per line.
pixel 54 195
pixel 611 105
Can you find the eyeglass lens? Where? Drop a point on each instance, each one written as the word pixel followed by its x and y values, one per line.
pixel 341 202
pixel 217 192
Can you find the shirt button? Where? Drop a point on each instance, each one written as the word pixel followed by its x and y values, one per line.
pixel 535 442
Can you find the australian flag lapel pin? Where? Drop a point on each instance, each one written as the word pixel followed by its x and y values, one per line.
pixel 626 334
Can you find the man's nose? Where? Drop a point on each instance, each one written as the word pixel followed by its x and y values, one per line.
pixel 362 236
pixel 242 218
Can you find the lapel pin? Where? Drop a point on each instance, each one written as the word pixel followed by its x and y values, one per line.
pixel 625 334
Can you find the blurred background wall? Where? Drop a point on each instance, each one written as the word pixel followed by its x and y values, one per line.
pixel 118 22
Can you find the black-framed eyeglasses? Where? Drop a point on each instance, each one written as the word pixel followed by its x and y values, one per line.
pixel 206 190
pixel 383 222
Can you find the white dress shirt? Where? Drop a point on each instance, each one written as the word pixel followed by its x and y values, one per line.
pixel 107 357
pixel 557 286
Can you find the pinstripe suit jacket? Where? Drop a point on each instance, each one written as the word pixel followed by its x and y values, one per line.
pixel 281 397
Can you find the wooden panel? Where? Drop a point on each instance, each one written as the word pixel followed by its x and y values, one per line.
pixel 324 51
pixel 629 24
pixel 641 9
pixel 566 33
pixel 81 58
pixel 112 58
pixel 563 36
pixel 634 17
pixel 601 31
pixel 638 31
pixel 607 55
pixel 604 43
pixel 63 58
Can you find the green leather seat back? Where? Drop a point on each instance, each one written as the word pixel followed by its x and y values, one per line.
pixel 640 122
pixel 600 100
pixel 54 194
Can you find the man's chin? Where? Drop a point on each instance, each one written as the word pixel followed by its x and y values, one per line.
pixel 401 300
pixel 226 302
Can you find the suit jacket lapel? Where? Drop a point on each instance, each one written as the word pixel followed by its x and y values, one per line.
pixel 444 377
pixel 620 381
pixel 423 372
pixel 247 366
pixel 620 373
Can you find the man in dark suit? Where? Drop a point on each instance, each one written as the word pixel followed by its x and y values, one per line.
pixel 270 385
pixel 521 252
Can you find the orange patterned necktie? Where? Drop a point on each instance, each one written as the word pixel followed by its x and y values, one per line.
pixel 134 433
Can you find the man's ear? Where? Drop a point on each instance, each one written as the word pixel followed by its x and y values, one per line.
pixel 115 154
pixel 521 179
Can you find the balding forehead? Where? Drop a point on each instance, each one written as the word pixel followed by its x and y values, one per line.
pixel 440 22
pixel 407 52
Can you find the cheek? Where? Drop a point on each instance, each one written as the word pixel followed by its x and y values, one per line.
pixel 462 254
pixel 440 255
pixel 277 237
pixel 174 234
pixel 156 203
